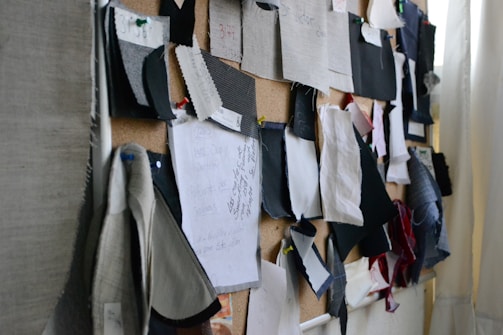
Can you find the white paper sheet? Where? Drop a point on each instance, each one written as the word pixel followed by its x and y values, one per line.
pixel 303 176
pixel 340 169
pixel 266 302
pixel 304 43
pixel 218 177
pixel 225 29
pixel 339 52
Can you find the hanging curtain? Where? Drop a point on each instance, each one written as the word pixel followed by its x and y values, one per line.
pixel 471 114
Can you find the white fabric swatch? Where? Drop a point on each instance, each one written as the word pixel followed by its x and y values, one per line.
pixel 399 61
pixel 382 14
pixel 339 52
pixel 202 90
pixel 397 170
pixel 359 281
pixel 378 140
pixel 304 43
pixel 264 307
pixel 225 29
pixel 261 42
pixel 303 176
pixel 340 169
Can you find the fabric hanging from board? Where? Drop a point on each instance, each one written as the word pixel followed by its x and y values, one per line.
pixel 44 132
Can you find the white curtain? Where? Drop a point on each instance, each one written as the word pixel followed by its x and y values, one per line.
pixel 471 114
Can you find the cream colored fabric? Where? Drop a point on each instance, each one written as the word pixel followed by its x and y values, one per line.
pixel 46 100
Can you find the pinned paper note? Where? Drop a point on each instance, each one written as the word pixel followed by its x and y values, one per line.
pixel 138 29
pixel 202 90
pixel 225 29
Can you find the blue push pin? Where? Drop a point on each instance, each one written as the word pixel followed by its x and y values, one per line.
pixel 127 157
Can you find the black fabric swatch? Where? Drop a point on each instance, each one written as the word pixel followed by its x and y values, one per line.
pixel 275 193
pixel 181 20
pixel 304 111
pixel 376 206
pixel 373 67
pixel 156 84
pixel 237 91
pixel 442 173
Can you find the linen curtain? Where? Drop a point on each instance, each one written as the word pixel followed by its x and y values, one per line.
pixel 471 114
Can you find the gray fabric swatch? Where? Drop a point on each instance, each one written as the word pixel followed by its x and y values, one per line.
pixel 133 56
pixel 225 29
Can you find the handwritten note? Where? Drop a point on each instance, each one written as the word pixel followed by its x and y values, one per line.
pixel 219 183
pixel 225 29
pixel 148 32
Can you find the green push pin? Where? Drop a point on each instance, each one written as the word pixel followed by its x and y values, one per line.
pixel 141 22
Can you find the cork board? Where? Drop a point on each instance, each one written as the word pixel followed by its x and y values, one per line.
pixel 272 103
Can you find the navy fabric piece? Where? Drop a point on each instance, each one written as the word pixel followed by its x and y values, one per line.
pixel 409 136
pixel 304 111
pixel 308 229
pixel 237 91
pixel 164 179
pixel 121 97
pixel 181 20
pixel 337 289
pixel 424 65
pixel 275 193
pixel 408 34
pixel 373 67
pixel 156 84
pixel 425 200
pixel 376 206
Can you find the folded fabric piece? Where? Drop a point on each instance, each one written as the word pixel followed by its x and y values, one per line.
pixel 182 20
pixel 339 51
pixel 261 42
pixel 237 91
pixel 127 46
pixel 336 305
pixel 275 193
pixel 376 205
pixel 290 316
pixel 373 67
pixel 122 278
pixel 379 271
pixel 425 200
pixel 309 261
pixel 136 269
pixel 340 169
pixel 359 281
pixel 303 176
pixel 304 111
pixel 382 14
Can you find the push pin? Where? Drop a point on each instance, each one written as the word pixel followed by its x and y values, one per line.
pixel 127 157
pixel 388 37
pixel 141 22
pixel 156 164
pixel 400 5
pixel 287 250
pixel 261 120
pixel 182 103
pixel 359 20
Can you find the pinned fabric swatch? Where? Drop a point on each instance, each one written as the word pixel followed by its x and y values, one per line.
pixel 290 316
pixel 156 83
pixel 225 29
pixel 261 42
pixel 264 316
pixel 181 20
pixel 202 90
pixel 128 44
pixel 339 52
pixel 303 176
pixel 309 261
pixel 398 155
pixel 336 292
pixel 442 173
pixel 304 112
pixel 425 201
pixel 303 27
pixel 237 91
pixel 376 205
pixel 340 193
pixel 275 193
pixel 375 243
pixel 373 67
pixel 382 14
pixel 360 119
pixel 359 281
pixel 378 138
pixel 268 4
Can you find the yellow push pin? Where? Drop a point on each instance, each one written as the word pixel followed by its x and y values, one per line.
pixel 287 250
pixel 261 120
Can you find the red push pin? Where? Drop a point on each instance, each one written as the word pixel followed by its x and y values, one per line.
pixel 182 103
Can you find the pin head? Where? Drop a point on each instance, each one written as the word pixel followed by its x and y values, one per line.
pixel 141 22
